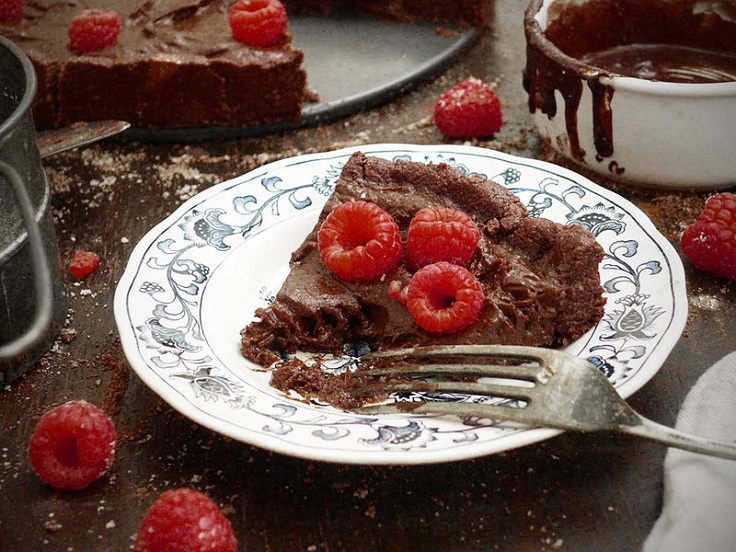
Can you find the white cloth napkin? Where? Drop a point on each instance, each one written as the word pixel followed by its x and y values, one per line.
pixel 699 503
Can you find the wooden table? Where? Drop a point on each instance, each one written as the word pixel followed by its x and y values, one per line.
pixel 573 492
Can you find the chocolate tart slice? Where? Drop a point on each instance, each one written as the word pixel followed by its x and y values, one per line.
pixel 540 278
pixel 175 65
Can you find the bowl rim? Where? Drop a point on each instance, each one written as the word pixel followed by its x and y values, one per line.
pixel 535 37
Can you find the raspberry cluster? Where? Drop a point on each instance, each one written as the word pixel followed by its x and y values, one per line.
pixel 359 241
pixel 73 445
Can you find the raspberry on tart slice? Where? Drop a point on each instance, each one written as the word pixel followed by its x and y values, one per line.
pixel 72 445
pixel 440 234
pixel 259 23
pixel 710 242
pixel 359 241
pixel 92 30
pixel 444 298
pixel 470 109
pixel 184 520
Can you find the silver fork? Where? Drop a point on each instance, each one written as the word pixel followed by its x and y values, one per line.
pixel 551 388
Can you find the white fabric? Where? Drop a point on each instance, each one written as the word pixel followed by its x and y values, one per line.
pixel 699 502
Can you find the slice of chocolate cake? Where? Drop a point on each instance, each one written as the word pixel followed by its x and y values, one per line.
pixel 540 278
pixel 176 65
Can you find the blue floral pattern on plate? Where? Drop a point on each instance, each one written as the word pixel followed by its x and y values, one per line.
pixel 194 281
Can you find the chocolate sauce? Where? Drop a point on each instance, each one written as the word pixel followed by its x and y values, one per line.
pixel 674 41
pixel 666 62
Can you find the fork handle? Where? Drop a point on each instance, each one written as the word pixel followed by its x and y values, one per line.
pixel 679 439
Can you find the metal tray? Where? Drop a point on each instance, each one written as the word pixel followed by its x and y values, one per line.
pixel 354 62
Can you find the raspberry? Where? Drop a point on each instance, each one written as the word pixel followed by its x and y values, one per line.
pixel 72 445
pixel 710 242
pixel 184 520
pixel 259 23
pixel 92 30
pixel 470 109
pixel 359 241
pixel 444 298
pixel 440 234
pixel 10 10
pixel 83 264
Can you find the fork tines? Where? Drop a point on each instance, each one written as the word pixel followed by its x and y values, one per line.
pixel 506 372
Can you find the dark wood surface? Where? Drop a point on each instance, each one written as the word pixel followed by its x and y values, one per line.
pixel 573 492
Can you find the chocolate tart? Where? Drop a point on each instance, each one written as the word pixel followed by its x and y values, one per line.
pixel 540 278
pixel 176 65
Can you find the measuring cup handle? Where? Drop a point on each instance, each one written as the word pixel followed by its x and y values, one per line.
pixel 41 272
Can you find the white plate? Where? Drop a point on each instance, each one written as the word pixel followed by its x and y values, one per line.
pixel 194 281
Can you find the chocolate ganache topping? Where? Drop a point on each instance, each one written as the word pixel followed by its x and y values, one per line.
pixel 190 27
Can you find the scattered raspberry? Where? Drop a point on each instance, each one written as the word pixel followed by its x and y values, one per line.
pixel 470 109
pixel 359 241
pixel 83 264
pixel 92 30
pixel 10 10
pixel 184 520
pixel 444 298
pixel 259 23
pixel 440 234
pixel 710 242
pixel 72 445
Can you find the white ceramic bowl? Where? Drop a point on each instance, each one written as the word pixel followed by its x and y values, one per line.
pixel 659 134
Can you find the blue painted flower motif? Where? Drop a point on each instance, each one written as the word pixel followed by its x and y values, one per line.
pixel 349 361
pixel 538 204
pixel 597 218
pixel 197 271
pixel 510 176
pixel 602 364
pixel 165 340
pixel 356 349
pixel 210 387
pixel 151 288
pixel 206 228
pixel 323 186
pixel 633 320
pixel 266 295
pixel 338 365
pixel 413 435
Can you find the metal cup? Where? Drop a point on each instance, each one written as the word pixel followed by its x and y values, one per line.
pixel 32 297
